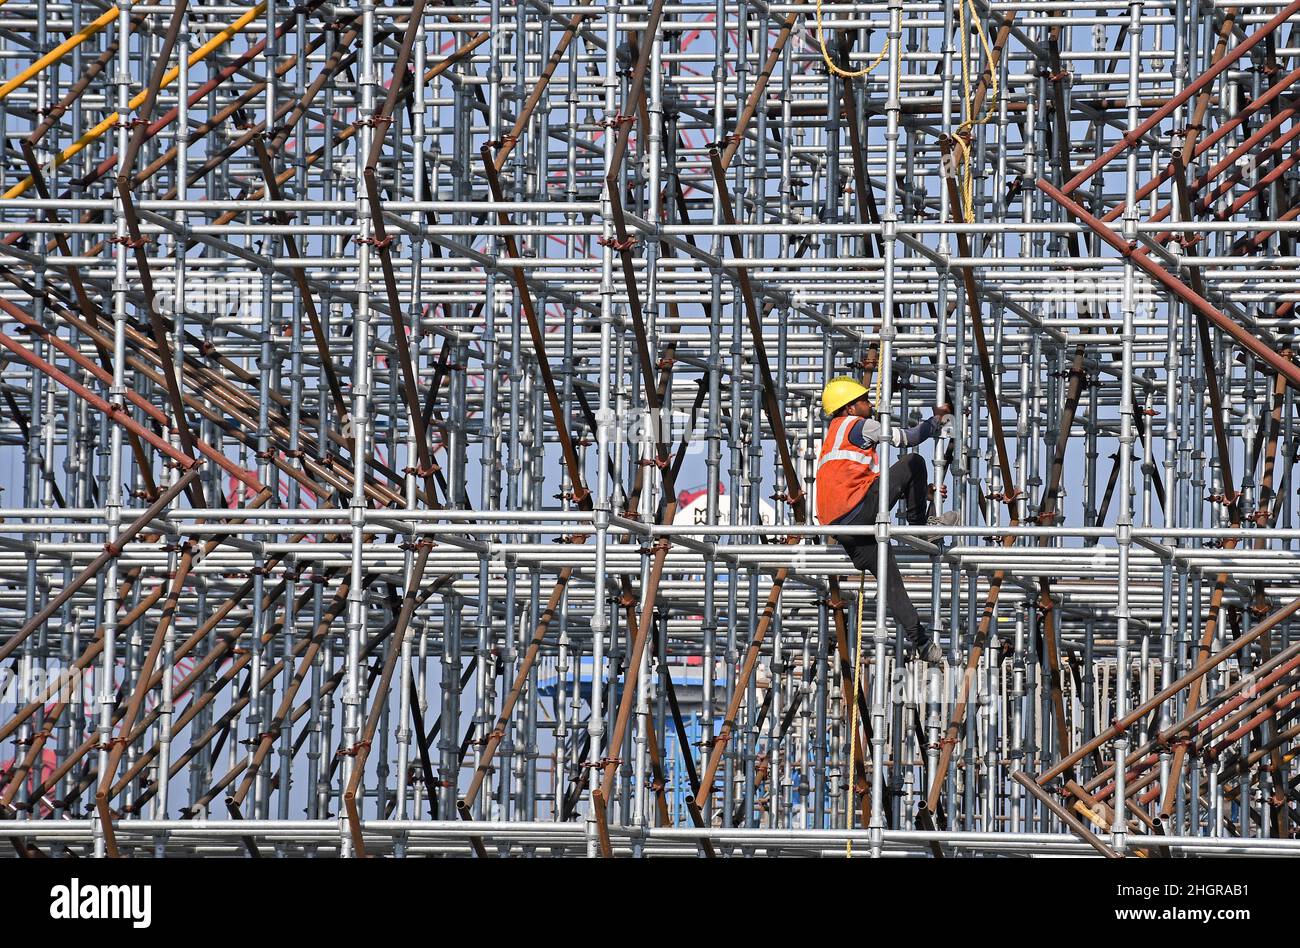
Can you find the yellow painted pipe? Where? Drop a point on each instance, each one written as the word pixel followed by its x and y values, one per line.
pixel 57 53
pixel 1095 818
pixel 169 77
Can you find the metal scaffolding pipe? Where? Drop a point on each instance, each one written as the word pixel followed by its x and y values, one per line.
pixel 410 414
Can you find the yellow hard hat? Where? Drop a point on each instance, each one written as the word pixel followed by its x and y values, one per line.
pixel 840 392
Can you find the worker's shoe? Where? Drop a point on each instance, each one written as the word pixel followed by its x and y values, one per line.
pixel 927 650
pixel 931 654
pixel 949 518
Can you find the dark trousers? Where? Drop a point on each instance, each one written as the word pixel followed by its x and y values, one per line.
pixel 907 481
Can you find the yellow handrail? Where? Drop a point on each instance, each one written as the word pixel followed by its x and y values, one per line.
pixel 69 44
pixel 111 121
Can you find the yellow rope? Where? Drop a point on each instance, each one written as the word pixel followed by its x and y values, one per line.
pixel 836 70
pixel 853 740
pixel 826 55
pixel 966 181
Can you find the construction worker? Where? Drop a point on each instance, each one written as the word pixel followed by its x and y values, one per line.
pixel 848 476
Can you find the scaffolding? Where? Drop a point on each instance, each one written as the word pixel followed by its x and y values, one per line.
pixel 410 418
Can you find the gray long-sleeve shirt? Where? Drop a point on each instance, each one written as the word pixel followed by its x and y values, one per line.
pixel 867 432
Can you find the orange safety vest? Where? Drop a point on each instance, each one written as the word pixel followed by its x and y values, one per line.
pixel 845 472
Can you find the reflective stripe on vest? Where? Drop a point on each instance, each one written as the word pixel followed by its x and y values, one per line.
pixel 845 472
